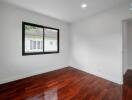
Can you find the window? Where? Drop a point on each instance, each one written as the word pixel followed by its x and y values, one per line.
pixel 38 45
pixel 50 40
pixel 31 44
pixel 38 39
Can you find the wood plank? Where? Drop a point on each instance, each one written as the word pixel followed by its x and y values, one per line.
pixel 64 84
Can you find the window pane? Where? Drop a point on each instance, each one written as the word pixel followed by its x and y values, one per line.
pixel 31 44
pixel 50 40
pixel 32 36
pixel 34 45
pixel 41 44
pixel 38 44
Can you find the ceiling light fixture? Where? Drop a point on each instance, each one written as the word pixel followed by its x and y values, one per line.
pixel 84 5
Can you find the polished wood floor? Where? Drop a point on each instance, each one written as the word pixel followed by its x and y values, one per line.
pixel 63 84
pixel 127 92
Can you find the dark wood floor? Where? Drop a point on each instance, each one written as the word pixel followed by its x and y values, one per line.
pixel 63 84
pixel 127 85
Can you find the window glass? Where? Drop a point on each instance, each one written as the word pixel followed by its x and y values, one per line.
pixel 50 42
pixel 38 39
pixel 32 36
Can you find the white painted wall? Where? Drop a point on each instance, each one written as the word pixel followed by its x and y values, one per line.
pixel 125 47
pixel 129 43
pixel 12 64
pixel 97 43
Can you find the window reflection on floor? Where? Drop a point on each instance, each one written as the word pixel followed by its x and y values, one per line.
pixel 48 95
pixel 51 94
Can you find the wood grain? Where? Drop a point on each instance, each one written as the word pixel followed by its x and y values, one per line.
pixel 64 84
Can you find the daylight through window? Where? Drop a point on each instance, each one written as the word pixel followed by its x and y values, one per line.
pixel 38 39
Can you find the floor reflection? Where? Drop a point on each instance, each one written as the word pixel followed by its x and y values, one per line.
pixel 48 95
pixel 51 94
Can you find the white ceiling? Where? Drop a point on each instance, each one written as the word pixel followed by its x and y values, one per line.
pixel 66 10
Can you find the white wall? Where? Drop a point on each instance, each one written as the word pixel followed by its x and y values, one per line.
pixel 12 64
pixel 97 43
pixel 125 47
pixel 129 43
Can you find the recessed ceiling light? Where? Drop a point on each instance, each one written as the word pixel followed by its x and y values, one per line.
pixel 84 5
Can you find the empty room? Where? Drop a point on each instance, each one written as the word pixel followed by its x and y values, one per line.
pixel 65 49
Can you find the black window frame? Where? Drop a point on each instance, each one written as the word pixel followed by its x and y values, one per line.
pixel 40 26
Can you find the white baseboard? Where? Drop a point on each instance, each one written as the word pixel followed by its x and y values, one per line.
pixel 21 76
pixel 104 77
